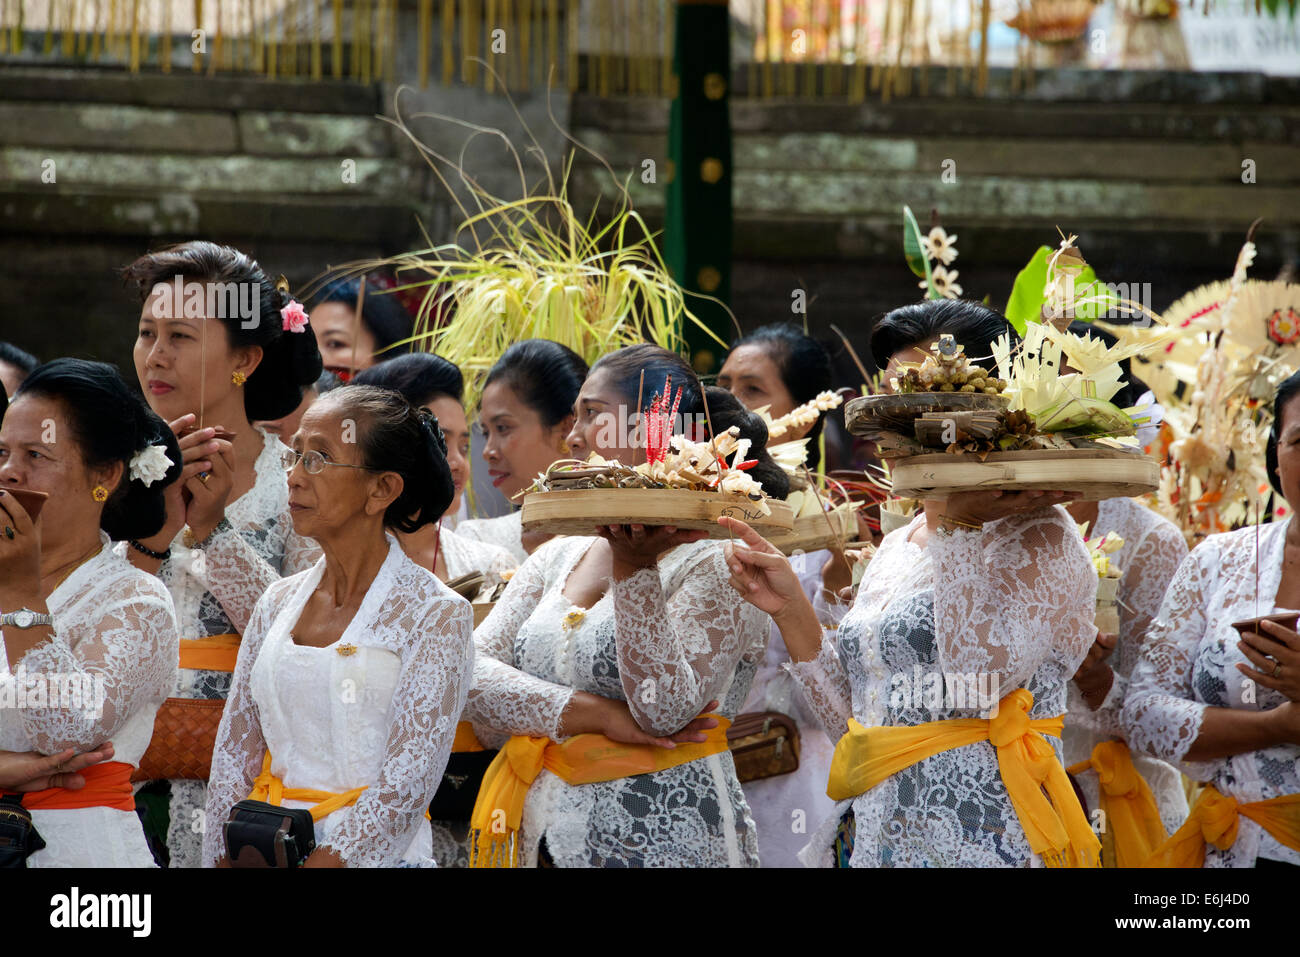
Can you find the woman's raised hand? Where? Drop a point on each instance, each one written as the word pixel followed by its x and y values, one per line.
pixel 759 572
pixel 1276 657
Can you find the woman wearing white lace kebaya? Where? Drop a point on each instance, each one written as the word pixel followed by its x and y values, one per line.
pixel 353 674
pixel 1226 707
pixel 630 635
pixel 779 367
pixel 985 599
pixel 228 535
pixel 90 642
pixel 1152 550
pixel 525 413
pixel 430 381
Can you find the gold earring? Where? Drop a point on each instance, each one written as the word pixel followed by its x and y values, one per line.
pixel 238 378
pixel 99 493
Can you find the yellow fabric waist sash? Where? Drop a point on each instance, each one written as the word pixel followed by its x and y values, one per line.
pixel 1126 801
pixel 466 740
pixel 1054 822
pixel 582 759
pixel 215 653
pixel 1214 819
pixel 267 787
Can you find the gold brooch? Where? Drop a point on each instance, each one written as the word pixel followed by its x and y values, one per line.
pixel 574 618
pixel 346 650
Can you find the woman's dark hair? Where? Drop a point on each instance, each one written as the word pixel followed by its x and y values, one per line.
pixel 384 317
pixel 421 377
pixel 398 437
pixel 804 366
pixel 545 375
pixel 290 360
pixel 110 423
pixel 725 410
pixel 624 367
pixel 975 327
pixel 20 359
pixel 1287 391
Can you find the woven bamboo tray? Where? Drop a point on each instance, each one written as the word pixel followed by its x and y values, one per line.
pixel 813 532
pixel 1093 473
pixel 871 414
pixel 579 511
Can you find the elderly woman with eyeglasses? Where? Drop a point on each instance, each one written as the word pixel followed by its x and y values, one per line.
pixel 352 674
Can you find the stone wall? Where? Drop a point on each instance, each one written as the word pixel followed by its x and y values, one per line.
pixel 1145 167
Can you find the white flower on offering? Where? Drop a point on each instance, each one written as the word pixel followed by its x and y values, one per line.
pixel 789 455
pixel 803 415
pixel 150 465
pixel 945 282
pixel 941 247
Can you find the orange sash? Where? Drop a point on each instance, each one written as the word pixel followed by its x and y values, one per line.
pixel 107 785
pixel 216 653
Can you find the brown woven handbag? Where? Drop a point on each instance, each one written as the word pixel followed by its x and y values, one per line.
pixel 763 744
pixel 184 734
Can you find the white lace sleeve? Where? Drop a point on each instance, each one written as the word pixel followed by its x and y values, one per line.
pixel 427 705
pixel 1007 598
pixel 676 652
pixel 237 575
pixel 503 698
pixel 1160 715
pixel 240 744
pixel 824 682
pixel 1149 569
pixel 127 654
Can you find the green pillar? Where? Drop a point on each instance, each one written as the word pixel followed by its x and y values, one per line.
pixel 697 245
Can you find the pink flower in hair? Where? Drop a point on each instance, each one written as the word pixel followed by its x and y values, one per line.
pixel 295 317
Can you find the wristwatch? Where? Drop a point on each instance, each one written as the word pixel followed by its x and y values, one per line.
pixel 25 618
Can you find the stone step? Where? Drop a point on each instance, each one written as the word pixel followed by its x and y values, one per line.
pixel 75 170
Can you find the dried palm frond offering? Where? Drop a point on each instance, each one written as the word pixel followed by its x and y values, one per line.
pixel 682 482
pixel 1235 342
pixel 535 268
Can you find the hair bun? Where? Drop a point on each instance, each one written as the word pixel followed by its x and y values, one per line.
pixel 430 423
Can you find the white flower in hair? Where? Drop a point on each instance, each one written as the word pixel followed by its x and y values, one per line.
pixel 150 465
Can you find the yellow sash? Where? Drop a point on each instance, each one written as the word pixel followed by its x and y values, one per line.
pixel 1131 815
pixel 267 787
pixel 1054 823
pixel 215 653
pixel 466 739
pixel 1214 819
pixel 582 759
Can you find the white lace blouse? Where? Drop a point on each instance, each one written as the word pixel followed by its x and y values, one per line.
pixel 667 640
pixel 504 531
pixel 1188 664
pixel 1153 548
pixel 382 716
pixel 114 634
pixel 1009 606
pixel 464 555
pixel 215 590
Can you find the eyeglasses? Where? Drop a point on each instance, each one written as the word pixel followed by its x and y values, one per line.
pixel 314 462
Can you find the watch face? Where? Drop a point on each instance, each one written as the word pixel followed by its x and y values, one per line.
pixel 24 619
